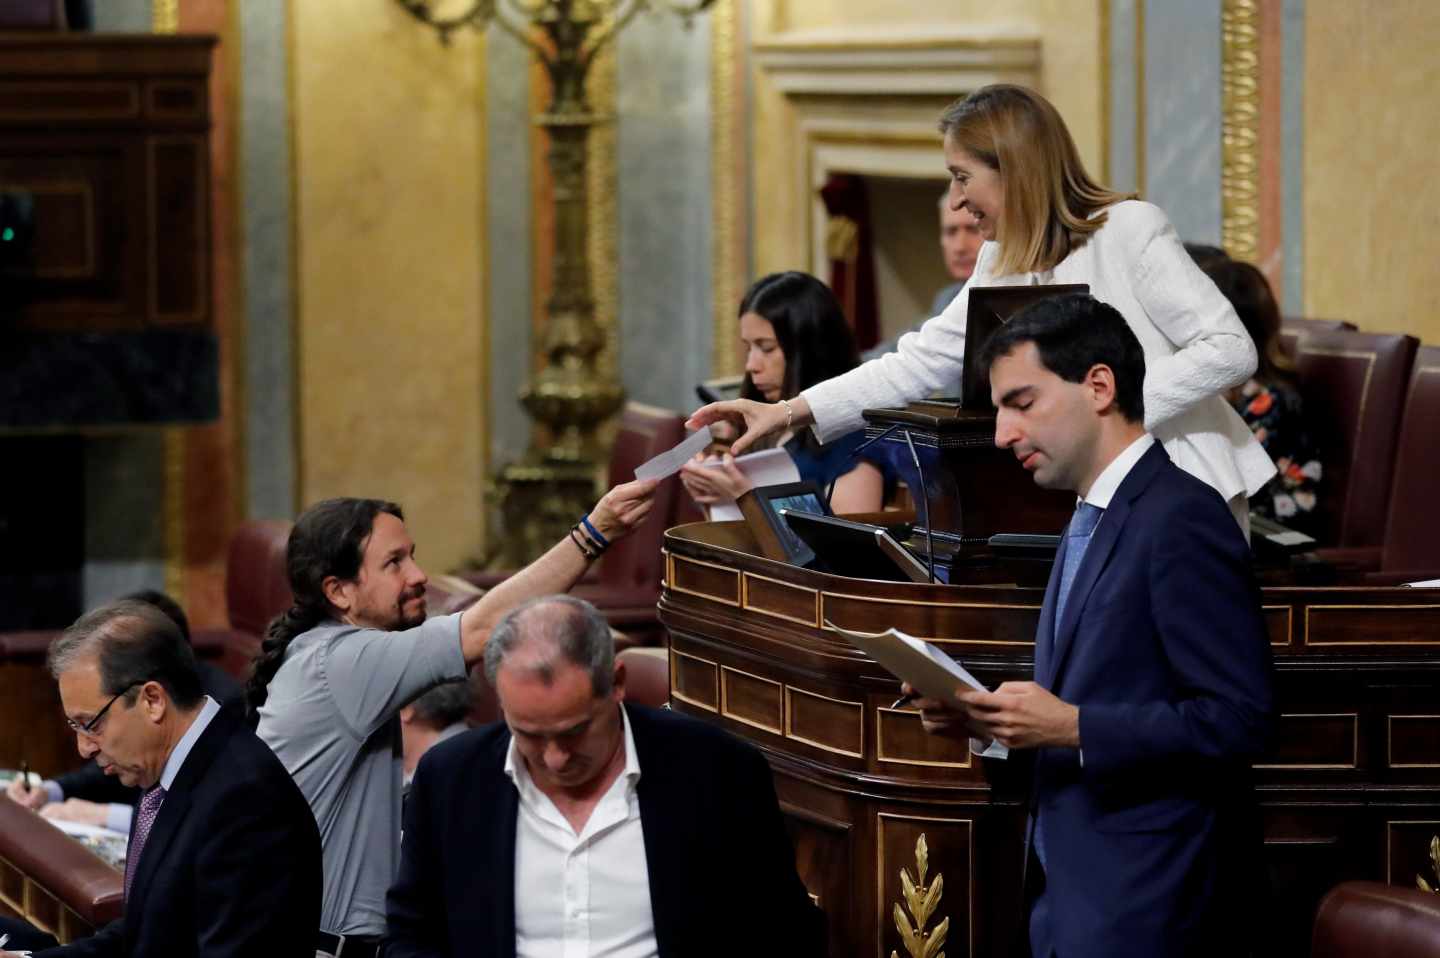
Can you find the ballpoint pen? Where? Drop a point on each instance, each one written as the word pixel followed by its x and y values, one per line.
pixel 904 700
pixel 24 779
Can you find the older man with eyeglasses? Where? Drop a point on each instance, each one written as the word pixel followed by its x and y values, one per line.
pixel 224 854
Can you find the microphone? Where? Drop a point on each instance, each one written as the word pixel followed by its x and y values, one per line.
pixel 925 497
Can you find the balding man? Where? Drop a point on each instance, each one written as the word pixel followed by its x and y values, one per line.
pixel 581 825
pixel 224 855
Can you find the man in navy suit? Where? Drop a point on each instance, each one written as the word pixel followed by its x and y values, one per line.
pixel 579 825
pixel 1152 692
pixel 224 854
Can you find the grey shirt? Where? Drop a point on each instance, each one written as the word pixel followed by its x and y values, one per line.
pixel 331 716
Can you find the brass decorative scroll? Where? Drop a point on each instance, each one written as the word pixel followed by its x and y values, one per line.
pixel 1420 881
pixel 921 900
pixel 1240 129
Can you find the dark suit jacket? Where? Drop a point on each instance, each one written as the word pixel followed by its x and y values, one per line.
pixel 89 783
pixel 231 867
pixel 721 868
pixel 1164 651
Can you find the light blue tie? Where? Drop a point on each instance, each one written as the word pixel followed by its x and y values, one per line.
pixel 1077 540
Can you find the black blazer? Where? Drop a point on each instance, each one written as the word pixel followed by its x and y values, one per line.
pixel 232 864
pixel 721 867
pixel 89 783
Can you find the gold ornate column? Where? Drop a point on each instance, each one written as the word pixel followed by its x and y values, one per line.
pixel 729 196
pixel 1240 129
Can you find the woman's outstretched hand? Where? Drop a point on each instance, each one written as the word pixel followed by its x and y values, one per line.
pixel 756 420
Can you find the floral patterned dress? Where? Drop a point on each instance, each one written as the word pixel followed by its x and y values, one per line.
pixel 1273 412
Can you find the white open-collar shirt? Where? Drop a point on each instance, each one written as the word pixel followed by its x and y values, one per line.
pixel 585 895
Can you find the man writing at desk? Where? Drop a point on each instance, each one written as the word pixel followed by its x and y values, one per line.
pixel 1152 691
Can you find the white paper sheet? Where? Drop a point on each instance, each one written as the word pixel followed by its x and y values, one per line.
pixel 669 462
pixel 1425 584
pixel 768 467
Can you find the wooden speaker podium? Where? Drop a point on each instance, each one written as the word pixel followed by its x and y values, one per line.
pixel 1351 789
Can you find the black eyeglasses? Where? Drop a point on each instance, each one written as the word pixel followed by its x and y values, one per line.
pixel 89 727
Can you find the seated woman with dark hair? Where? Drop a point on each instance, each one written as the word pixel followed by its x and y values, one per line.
pixel 795 336
pixel 1269 401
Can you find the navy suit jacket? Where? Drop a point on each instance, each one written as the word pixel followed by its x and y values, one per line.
pixel 1152 842
pixel 231 868
pixel 721 867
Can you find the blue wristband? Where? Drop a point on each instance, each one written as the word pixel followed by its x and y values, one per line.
pixel 594 532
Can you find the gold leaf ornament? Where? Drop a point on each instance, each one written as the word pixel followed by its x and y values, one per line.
pixel 922 900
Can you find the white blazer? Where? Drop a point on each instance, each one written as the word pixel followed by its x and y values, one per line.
pixel 1195 347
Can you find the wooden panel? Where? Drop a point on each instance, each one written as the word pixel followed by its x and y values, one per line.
pixel 175 100
pixel 706 580
pixel 63 99
pixel 944 623
pixel 1372 625
pixel 782 600
pixel 900 739
pixel 695 680
pixel 1407 850
pixel 179 234
pixel 824 858
pixel 753 700
pixel 1277 624
pixel 1315 741
pixel 835 725
pixel 1413 741
pixel 950 843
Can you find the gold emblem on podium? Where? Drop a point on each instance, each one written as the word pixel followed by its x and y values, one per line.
pixel 921 900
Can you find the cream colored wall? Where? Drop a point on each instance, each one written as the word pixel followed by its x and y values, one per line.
pixel 389 193
pixel 1071 76
pixel 1372 234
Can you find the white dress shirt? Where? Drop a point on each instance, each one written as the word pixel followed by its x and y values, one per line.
pixel 1103 489
pixel 585 895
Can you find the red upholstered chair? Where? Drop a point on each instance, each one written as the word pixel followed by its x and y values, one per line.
pixel 1354 388
pixel 1411 550
pixel 256 590
pixel 647 676
pixel 625 584
pixel 1361 919
pixel 1293 327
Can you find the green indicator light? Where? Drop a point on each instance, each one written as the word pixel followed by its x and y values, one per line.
pixel 8 234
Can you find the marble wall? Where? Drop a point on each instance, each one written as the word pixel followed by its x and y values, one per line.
pixel 1371 196
pixel 390 268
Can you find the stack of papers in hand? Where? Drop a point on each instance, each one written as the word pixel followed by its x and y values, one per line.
pixel 924 667
pixel 768 467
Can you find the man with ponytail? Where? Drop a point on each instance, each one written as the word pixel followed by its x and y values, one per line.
pixel 336 668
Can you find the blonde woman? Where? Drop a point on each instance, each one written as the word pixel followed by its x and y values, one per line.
pixel 1015 168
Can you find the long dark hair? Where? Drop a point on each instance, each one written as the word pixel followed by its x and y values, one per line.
pixel 810 327
pixel 328 540
pixel 1249 292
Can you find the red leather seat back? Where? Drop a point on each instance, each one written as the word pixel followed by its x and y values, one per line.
pixel 647 676
pixel 645 432
pixel 257 587
pixel 1362 919
pixel 1293 327
pixel 1354 387
pixel 1412 532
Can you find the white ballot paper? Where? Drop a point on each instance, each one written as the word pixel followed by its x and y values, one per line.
pixel 669 462
pixel 768 467
pixel 1424 584
pixel 927 669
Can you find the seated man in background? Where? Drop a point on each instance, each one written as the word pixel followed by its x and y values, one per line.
pixel 432 718
pixel 224 857
pixel 87 794
pixel 579 825
pixel 960 242
pixel 337 667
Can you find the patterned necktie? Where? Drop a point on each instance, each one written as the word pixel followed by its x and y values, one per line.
pixel 144 818
pixel 1077 540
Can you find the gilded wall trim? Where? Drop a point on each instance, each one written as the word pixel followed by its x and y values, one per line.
pixel 603 213
pixel 165 18
pixel 1240 128
pixel 729 196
